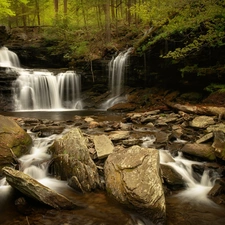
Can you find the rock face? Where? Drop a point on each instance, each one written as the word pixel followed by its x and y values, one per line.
pixel 72 162
pixel 14 141
pixel 35 190
pixel 132 177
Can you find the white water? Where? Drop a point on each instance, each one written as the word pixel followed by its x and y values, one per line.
pixel 117 68
pixel 196 191
pixel 8 58
pixel 41 89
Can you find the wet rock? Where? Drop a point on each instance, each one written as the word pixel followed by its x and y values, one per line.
pixel 217 193
pixel 119 135
pixel 72 162
pixel 103 146
pixel 202 121
pixel 45 131
pixel 219 144
pixel 14 142
pixel 131 142
pixel 199 151
pixel 172 179
pixel 124 107
pixel 22 206
pixel 167 118
pixel 205 138
pixel 216 127
pixel 132 177
pixel 33 189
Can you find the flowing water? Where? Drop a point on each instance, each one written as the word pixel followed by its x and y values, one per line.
pixel 40 89
pixel 117 69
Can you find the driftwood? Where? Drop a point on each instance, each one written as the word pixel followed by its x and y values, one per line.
pixel 199 109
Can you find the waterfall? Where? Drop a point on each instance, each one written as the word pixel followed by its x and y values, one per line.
pixel 42 90
pixel 8 58
pixel 196 190
pixel 117 69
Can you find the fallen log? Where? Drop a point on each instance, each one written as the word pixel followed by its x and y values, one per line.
pixel 199 109
pixel 33 189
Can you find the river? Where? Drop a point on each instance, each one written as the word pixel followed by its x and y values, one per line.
pixel 184 207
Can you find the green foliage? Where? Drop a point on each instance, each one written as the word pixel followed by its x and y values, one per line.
pixel 5 9
pixel 215 87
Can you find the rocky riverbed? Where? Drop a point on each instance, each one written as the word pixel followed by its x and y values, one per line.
pixel 199 138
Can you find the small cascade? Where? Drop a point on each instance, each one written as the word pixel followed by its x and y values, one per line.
pixel 117 69
pixel 69 89
pixel 42 90
pixel 196 189
pixel 8 58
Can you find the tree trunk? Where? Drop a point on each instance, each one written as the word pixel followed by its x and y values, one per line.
pixel 202 110
pixel 107 21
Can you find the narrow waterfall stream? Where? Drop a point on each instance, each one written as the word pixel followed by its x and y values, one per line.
pixel 117 69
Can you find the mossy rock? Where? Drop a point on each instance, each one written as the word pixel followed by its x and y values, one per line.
pixel 14 141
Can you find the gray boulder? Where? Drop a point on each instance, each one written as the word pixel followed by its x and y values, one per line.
pixel 72 162
pixel 132 178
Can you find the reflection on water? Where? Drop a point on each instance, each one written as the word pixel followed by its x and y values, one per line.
pixel 59 115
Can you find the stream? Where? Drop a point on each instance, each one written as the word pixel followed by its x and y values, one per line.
pixel 190 206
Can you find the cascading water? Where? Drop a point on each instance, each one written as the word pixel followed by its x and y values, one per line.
pixel 117 68
pixel 196 190
pixel 41 89
pixel 8 58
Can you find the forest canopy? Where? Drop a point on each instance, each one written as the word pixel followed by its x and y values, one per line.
pixel 85 27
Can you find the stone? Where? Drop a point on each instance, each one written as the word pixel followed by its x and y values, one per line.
pixel 72 161
pixel 132 177
pixel 219 144
pixel 202 151
pixel 14 142
pixel 202 121
pixel 33 189
pixel 103 146
pixel 119 135
pixel 205 138
pixel 216 127
pixel 172 179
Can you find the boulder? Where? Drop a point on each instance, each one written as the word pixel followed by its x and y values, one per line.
pixel 103 146
pixel 216 127
pixel 119 135
pixel 132 177
pixel 172 179
pixel 33 189
pixel 202 121
pixel 199 151
pixel 72 162
pixel 14 141
pixel 219 144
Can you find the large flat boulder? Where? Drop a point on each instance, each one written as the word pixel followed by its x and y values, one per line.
pixel 33 189
pixel 132 177
pixel 14 141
